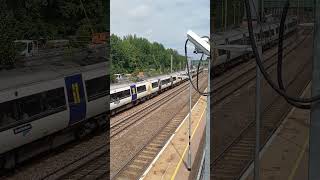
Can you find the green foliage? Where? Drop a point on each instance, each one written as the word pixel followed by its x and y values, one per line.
pixel 49 19
pixel 132 54
pixel 7 27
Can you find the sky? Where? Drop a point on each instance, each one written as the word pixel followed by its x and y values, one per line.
pixel 163 21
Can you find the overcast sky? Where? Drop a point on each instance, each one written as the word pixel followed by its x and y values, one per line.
pixel 163 21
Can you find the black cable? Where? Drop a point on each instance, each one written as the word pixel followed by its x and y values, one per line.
pixel 186 58
pixel 264 73
pixel 284 13
pixel 198 71
pixel 280 44
pixel 280 55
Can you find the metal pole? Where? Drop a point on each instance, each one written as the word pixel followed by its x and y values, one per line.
pixel 226 15
pixel 258 106
pixel 171 63
pixel 258 103
pixel 208 126
pixel 190 108
pixel 234 13
pixel 314 150
pixel 222 15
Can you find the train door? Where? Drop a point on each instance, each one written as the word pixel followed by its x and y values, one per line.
pixel 228 52
pixel 159 84
pixel 133 92
pixel 76 98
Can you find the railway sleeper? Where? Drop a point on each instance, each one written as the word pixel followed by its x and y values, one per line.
pixel 145 157
pixel 225 169
pixel 156 146
pixel 233 163
pixel 237 158
pixel 141 160
pixel 240 150
pixel 128 174
pixel 224 177
pixel 230 171
pixel 135 166
pixel 238 155
pixel 140 163
pixel 151 153
pixel 244 144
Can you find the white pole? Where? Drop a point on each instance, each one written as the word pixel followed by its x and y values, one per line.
pixel 207 150
pixel 226 15
pixel 189 138
pixel 171 63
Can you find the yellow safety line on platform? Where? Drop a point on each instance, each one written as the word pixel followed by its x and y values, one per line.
pixel 185 150
pixel 293 172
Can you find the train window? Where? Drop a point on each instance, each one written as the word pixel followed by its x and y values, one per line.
pixel 97 88
pixel 155 85
pixel 125 94
pixel 113 97
pixel 272 32
pixel 221 52
pixel 53 99
pixel 120 95
pixel 30 106
pixel 141 89
pixel 258 36
pixel 8 113
pixel 166 81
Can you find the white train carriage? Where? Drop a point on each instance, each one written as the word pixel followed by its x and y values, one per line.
pixel 127 95
pixel 240 36
pixel 96 82
pixel 154 82
pixel 143 90
pixel 120 96
pixel 40 104
pixel 165 82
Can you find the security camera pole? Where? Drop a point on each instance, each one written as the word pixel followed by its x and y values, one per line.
pixel 189 128
pixel 204 47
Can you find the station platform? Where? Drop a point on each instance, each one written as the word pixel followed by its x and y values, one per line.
pixel 286 154
pixel 171 162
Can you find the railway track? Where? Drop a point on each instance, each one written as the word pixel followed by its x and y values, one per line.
pixel 233 161
pixel 95 169
pixel 127 121
pixel 138 163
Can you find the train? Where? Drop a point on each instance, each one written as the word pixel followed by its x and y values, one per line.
pixel 240 36
pixel 47 106
pixel 124 96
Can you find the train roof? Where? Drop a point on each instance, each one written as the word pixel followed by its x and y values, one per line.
pixel 21 76
pixel 127 84
pixel 236 33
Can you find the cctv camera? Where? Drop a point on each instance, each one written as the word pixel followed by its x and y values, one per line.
pixel 202 46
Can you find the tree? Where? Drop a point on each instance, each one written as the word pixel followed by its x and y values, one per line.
pixel 7 29
pixel 132 54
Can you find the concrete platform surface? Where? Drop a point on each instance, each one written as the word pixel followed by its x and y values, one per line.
pixel 285 156
pixel 171 162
